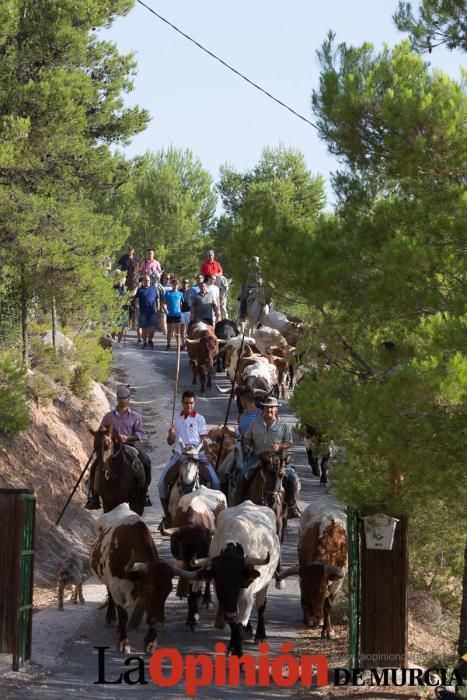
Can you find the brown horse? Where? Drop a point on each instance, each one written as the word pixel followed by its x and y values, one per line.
pixel 116 481
pixel 266 488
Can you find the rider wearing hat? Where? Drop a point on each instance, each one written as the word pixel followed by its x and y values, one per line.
pixel 253 279
pixel 211 266
pixel 269 433
pixel 129 426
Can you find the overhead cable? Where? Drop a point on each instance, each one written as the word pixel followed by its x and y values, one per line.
pixel 224 63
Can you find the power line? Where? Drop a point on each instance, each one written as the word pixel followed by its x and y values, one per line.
pixel 231 68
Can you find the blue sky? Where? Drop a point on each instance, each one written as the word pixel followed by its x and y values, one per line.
pixel 196 103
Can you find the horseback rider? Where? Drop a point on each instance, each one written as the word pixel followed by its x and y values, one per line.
pixel 269 432
pixel 190 428
pixel 253 279
pixel 211 266
pixel 129 426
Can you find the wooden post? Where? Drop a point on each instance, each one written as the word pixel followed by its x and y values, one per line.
pixel 54 324
pixel 24 317
pixel 384 619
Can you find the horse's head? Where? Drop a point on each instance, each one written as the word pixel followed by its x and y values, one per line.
pixel 188 475
pixel 104 439
pixel 273 469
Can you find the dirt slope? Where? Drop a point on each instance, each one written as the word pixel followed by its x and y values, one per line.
pixel 48 458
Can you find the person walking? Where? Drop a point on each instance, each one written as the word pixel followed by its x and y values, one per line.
pixel 204 306
pixel 172 306
pixel 147 301
pixel 211 266
pixel 149 265
pixel 163 287
pixel 125 260
pixel 187 300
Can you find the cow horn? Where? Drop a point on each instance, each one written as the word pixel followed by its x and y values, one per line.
pixel 291 571
pixel 168 532
pixel 257 561
pixel 223 391
pixel 140 566
pixel 248 350
pixel 202 563
pixel 131 561
pixel 183 573
pixel 191 342
pixel 221 341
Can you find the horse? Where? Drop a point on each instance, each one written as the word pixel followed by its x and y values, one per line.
pixel 258 305
pixel 188 476
pixel 223 283
pixel 266 488
pixel 117 480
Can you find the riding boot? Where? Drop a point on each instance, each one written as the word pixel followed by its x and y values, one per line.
pixel 93 502
pixel 146 462
pixel 165 508
pixel 291 486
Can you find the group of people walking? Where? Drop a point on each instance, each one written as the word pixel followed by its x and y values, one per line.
pixel 163 301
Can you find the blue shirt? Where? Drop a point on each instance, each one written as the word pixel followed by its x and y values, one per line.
pixel 246 418
pixel 173 299
pixel 147 297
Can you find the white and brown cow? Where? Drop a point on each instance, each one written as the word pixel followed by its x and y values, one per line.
pixel 243 557
pixel 125 558
pixel 322 556
pixel 194 523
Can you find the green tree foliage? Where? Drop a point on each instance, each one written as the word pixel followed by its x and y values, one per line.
pixel 279 191
pixel 438 22
pixel 61 107
pixel 168 204
pixel 384 278
pixel 14 414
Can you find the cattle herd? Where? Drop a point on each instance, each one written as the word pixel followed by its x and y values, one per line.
pixel 235 550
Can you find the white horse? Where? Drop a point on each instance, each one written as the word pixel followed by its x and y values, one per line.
pixel 223 283
pixel 188 476
pixel 257 307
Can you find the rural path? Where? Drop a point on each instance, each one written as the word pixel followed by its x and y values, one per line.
pixel 69 666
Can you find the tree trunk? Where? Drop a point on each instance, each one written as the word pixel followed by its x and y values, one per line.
pixel 462 646
pixel 54 324
pixel 24 318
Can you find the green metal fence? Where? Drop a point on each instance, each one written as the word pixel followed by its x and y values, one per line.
pixel 353 534
pixel 22 648
pixel 17 522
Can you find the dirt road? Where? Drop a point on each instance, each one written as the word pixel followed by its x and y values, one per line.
pixel 72 669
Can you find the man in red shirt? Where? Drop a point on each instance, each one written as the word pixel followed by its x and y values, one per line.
pixel 211 266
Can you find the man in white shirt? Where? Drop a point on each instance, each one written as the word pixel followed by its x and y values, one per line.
pixel 190 427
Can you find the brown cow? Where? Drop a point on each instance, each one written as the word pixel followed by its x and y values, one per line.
pixel 322 556
pixel 203 350
pixel 125 558
pixel 194 524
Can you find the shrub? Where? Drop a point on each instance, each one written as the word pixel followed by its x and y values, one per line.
pixel 81 381
pixel 47 361
pixel 14 415
pixel 42 387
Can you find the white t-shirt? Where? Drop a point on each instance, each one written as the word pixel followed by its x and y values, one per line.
pixel 214 289
pixel 189 429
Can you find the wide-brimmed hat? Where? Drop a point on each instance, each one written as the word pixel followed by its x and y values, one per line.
pixel 123 392
pixel 270 401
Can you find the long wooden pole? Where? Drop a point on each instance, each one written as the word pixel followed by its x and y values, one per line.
pixel 74 488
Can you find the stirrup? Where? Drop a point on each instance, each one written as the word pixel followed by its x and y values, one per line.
pixel 93 503
pixel 147 501
pixel 293 512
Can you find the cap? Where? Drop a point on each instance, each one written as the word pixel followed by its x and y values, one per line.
pixel 210 251
pixel 123 392
pixel 270 401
